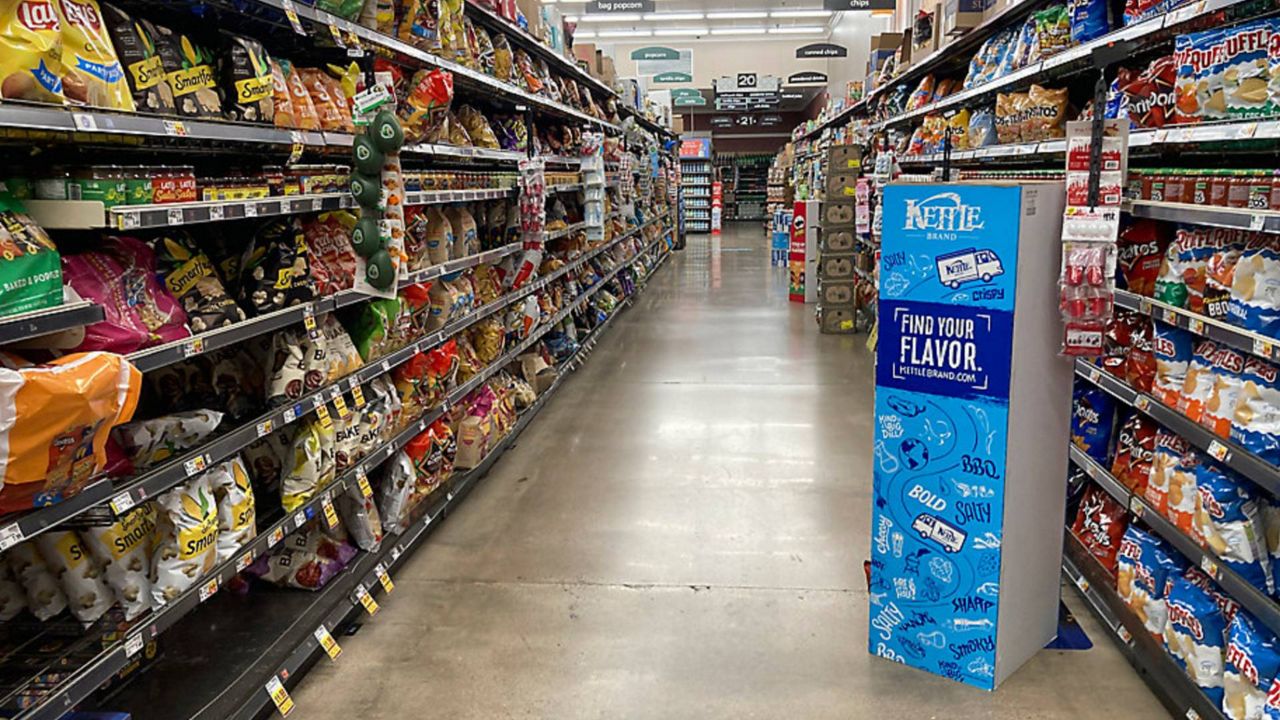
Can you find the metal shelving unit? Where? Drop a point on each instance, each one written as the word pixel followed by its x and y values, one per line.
pixel 36 323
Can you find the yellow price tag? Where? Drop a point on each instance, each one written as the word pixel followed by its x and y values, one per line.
pixel 341 404
pixel 370 605
pixel 280 696
pixel 385 578
pixel 309 320
pixel 330 514
pixel 295 154
pixel 337 36
pixel 362 481
pixel 322 412
pixel 327 642
pixel 357 394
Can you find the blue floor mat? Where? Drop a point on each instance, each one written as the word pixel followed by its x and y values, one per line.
pixel 1070 635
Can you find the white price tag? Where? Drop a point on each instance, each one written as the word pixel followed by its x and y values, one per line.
pixel 386 366
pixel 1136 506
pixel 300 518
pixel 292 413
pixel 128 221
pixel 193 347
pixel 208 589
pixel 175 128
pixel 1195 325
pixel 384 578
pixel 1209 567
pixel 1256 222
pixel 176 216
pixel 10 536
pixel 250 209
pixel 1192 714
pixel 1142 402
pixel 196 464
pixel 217 212
pixel 133 644
pixel 122 503
pixel 365 599
pixel 1218 451
pixel 276 536
pixel 280 696
pixel 1262 348
pixel 1123 633
pixel 396 552
pixel 84 121
pixel 1082 583
pixel 1246 130
pixel 291 13
pixel 327 642
pixel 245 561
pixel 265 427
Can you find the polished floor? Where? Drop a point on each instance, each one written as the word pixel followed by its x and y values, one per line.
pixel 680 534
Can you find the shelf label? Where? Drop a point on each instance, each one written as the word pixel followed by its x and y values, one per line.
pixel 366 600
pixel 340 404
pixel 386 366
pixel 1095 375
pixel 1169 316
pixel 357 394
pixel 265 427
pixel 309 320
pixel 193 347
pixel 1082 583
pixel 337 35
pixel 1196 325
pixel 1262 347
pixel 396 552
pixel 1218 451
pixel 354 48
pixel 291 13
pixel 196 464
pixel 280 696
pixel 1142 402
pixel 208 589
pixel 133 644
pixel 175 216
pixel 300 518
pixel 362 482
pixel 322 412
pixel 290 414
pixel 1125 636
pixel 276 536
pixel 128 221
pixel 326 640
pixel 10 536
pixel 1257 221
pixel 1192 714
pixel 1209 567
pixel 384 577
pixel 122 503
pixel 330 514
pixel 245 561
pixel 250 209
pixel 175 128
pixel 295 152
pixel 84 121
pixel 1136 506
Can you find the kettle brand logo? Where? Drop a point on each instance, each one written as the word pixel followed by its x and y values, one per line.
pixel 943 212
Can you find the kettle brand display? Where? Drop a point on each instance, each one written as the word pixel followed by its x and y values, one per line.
pixel 302 267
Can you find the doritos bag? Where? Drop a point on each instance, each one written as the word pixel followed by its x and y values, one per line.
pixel 1100 525
pixel 1135 449
pixel 1092 413
pixel 54 422
pixel 30 51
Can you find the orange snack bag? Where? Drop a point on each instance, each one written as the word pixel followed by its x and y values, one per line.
pixel 54 423
pixel 321 97
pixel 284 116
pixel 304 111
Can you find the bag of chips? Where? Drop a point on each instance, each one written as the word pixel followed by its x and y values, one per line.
pixel 1169 449
pixel 1255 287
pixel 1256 422
pixel 1135 449
pixel 54 422
pixel 247 81
pixel 123 548
pixel 1197 384
pixel 92 74
pixel 477 128
pixel 138 310
pixel 30 272
pixel 1140 253
pixel 185 545
pixel 64 553
pixel 276 271
pixel 1143 568
pixel 311 471
pixel 425 109
pixel 360 517
pixel 143 67
pixel 45 598
pixel 31 64
pixel 1247 72
pixel 326 104
pixel 397 488
pixel 329 252
pixel 1195 636
pixel 190 276
pixel 1253 656
pixel 304 110
pixel 1228 364
pixel 1092 413
pixel 1100 525
pixel 307 559
pixel 1229 520
pixel 1173 348
pixel 1045 114
pixel 190 74
pixel 1009 108
pixel 13 600
pixel 420 23
pixel 237 518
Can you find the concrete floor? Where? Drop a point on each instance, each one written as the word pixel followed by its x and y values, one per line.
pixel 680 534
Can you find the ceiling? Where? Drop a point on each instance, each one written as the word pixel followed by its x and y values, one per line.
pixel 730 20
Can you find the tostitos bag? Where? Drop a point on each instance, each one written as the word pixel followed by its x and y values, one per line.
pixel 30 51
pixel 93 75
pixel 54 423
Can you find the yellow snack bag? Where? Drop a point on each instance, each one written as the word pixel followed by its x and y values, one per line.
pixel 30 51
pixel 92 74
pixel 54 422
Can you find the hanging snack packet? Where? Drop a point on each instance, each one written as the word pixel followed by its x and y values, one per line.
pixel 1229 521
pixel 1173 348
pixel 64 553
pixel 1255 287
pixel 185 547
pixel 190 74
pixel 1135 449
pixel 237 518
pixel 45 598
pixel 247 81
pixel 123 548
pixel 31 65
pixel 1168 453
pixel 1256 422
pixel 143 67
pixel 1195 636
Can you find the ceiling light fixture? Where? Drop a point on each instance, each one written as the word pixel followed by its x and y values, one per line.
pixel 624 33
pixel 584 34
pixel 680 32
pixel 737 15
pixel 738 31
pixel 796 30
pixel 798 13
pixel 610 17
pixel 659 17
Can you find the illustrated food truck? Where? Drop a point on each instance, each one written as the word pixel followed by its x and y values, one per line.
pixel 962 266
pixel 934 528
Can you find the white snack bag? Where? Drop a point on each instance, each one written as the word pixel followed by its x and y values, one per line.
pixel 124 550
pixel 237 515
pixel 185 547
pixel 12 599
pixel 44 595
pixel 65 553
pixel 360 518
pixel 397 488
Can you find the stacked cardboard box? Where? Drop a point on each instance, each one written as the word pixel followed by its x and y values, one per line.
pixel 837 279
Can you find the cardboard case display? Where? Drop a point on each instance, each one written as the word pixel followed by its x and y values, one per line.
pixel 835 214
pixel 837 241
pixel 835 320
pixel 836 292
pixel 835 267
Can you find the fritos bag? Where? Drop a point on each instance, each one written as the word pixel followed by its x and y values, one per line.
pixel 31 61
pixel 54 423
pixel 93 73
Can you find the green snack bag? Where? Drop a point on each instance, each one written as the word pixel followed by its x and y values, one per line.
pixel 30 267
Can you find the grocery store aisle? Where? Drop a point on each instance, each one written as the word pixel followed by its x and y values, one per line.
pixel 679 534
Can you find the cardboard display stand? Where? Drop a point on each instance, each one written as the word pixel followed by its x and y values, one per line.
pixel 972 401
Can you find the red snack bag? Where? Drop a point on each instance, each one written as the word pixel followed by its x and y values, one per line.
pixel 1151 94
pixel 1140 362
pixel 1140 251
pixel 1100 524
pixel 1135 448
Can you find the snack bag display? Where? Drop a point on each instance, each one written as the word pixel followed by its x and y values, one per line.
pixel 185 545
pixel 92 73
pixel 1256 421
pixel 307 559
pixel 397 488
pixel 1089 20
pixel 304 110
pixel 1169 451
pixel 237 518
pixel 1247 73
pixel 276 269
pixel 1140 254
pixel 1219 277
pixel 247 81
pixel 190 276
pixel 1228 365
pixel 1184 493
pixel 360 517
pixel 64 553
pixel 143 68
pixel 1092 414
pixel 30 271
pixel 190 74
pixel 1143 568
pixel 1195 636
pixel 1184 272
pixel 1008 122
pixel 419 23
pixel 1230 523
pixel 45 598
pixel 1255 287
pixel 1045 114
pixel 1197 384
pixel 31 66
pixel 329 252
pixel 1173 348
pixel 13 600
pixel 1135 450
pixel 123 548
pixel 151 442
pixel 54 424
pixel 1253 655
pixel 1100 524
pixel 138 310
pixel 309 471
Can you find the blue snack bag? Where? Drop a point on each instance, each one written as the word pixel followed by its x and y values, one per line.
pixel 1252 658
pixel 1255 287
pixel 1089 19
pixel 1092 413
pixel 1173 347
pixel 1256 421
pixel 1143 568
pixel 1195 635
pixel 1229 521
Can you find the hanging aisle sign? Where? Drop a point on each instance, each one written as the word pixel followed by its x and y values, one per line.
pixel 844 5
pixel 655 53
pixel 619 6
pixel 662 60
pixel 822 50
pixel 807 77
pixel 668 78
